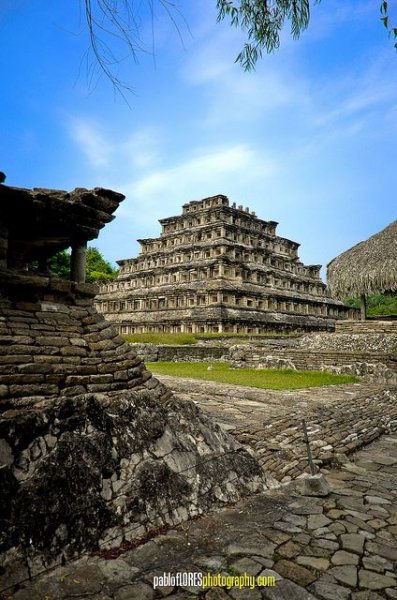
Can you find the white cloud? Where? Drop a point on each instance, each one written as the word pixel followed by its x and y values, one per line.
pixel 140 149
pixel 233 94
pixel 91 141
pixel 231 170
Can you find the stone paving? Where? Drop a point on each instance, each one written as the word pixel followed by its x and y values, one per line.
pixel 340 547
pixel 340 419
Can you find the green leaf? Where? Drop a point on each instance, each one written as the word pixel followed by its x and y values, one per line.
pixel 385 21
pixel 383 8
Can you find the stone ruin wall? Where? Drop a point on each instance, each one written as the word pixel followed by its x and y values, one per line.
pixel 369 352
pixel 94 451
pixel 218 268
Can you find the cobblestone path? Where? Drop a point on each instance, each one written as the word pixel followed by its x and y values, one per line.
pixel 341 547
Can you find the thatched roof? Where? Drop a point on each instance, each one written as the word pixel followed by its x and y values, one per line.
pixel 369 267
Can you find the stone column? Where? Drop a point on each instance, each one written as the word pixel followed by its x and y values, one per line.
pixel 78 262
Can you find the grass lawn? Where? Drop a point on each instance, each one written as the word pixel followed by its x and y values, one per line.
pixel 273 379
pixel 192 338
pixel 177 339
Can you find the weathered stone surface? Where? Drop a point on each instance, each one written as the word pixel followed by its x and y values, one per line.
pixel 317 521
pixel 366 595
pixel 330 591
pixel 264 549
pixel 376 500
pixel 276 536
pixel 246 565
pixel 87 580
pixel 383 550
pixel 289 549
pixel 341 557
pixel 139 591
pixel 287 590
pixel 245 594
pixel 352 542
pixel 320 564
pixel 374 581
pixel 346 574
pixel 313 485
pixel 377 563
pixel 216 594
pixel 6 455
pixel 295 572
pixel 117 572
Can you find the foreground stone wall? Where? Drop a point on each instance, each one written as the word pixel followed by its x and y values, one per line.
pixel 94 471
pixel 51 348
pixel 94 451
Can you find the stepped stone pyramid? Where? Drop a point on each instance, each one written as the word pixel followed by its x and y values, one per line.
pixel 94 451
pixel 218 268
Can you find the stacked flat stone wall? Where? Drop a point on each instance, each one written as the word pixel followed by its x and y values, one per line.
pixel 154 353
pixel 50 349
pixel 364 327
pixel 376 366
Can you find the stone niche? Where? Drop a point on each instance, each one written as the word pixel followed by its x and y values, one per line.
pixel 94 451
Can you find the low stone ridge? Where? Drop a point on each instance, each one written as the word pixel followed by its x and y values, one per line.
pixel 372 340
pixel 340 419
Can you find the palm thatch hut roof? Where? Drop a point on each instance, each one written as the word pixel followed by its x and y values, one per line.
pixel 369 267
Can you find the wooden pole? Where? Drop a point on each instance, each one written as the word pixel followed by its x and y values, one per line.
pixel 309 452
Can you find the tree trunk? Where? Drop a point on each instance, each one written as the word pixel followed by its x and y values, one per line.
pixel 363 307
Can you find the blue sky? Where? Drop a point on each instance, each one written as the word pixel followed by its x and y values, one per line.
pixel 309 139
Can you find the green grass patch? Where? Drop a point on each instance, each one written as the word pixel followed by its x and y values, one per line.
pixel 177 339
pixel 226 335
pixel 182 339
pixel 285 379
